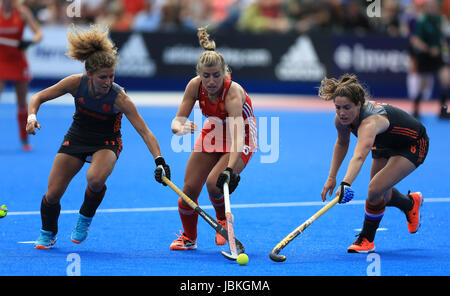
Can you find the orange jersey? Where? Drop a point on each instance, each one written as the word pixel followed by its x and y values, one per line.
pixel 13 62
pixel 215 136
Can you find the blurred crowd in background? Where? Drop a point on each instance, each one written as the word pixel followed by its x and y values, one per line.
pixel 254 16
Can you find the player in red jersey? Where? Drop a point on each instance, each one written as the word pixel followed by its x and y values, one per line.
pixel 13 62
pixel 225 145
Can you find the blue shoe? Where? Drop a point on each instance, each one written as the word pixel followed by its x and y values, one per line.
pixel 45 241
pixel 80 233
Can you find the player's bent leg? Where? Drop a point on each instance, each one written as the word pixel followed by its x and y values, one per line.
pixel 102 165
pixel 103 162
pixel 216 196
pixel 91 202
pixel 63 170
pixel 197 169
pixel 189 219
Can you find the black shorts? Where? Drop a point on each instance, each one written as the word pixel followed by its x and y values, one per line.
pixel 429 64
pixel 84 148
pixel 416 152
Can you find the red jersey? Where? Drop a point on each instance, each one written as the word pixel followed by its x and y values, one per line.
pixel 215 136
pixel 13 62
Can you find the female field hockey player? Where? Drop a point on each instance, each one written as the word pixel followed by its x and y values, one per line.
pixel 94 135
pixel 399 144
pixel 13 61
pixel 219 154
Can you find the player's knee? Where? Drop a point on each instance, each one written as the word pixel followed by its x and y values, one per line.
pixel 192 191
pixel 375 193
pixel 212 188
pixel 96 182
pixel 53 197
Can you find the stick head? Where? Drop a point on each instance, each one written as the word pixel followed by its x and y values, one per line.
pixel 239 246
pixel 230 256
pixel 275 257
pixel 239 250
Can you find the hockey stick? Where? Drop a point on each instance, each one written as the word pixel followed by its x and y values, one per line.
pixel 211 221
pixel 280 258
pixel 231 242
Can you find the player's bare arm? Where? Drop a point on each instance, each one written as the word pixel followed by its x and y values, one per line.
pixel 367 131
pixel 69 84
pixel 339 153
pixel 124 104
pixel 180 124
pixel 233 106
pixel 32 22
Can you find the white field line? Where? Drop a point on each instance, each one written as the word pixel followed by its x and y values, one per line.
pixel 234 206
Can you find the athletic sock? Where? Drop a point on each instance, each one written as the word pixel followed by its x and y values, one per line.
pixel 22 115
pixel 189 219
pixel 372 218
pixel 219 206
pixel 91 202
pixel 50 215
pixel 400 201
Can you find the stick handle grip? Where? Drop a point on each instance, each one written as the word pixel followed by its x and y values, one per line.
pixel 185 198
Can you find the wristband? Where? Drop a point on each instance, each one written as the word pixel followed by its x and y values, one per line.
pixel 31 117
pixel 159 161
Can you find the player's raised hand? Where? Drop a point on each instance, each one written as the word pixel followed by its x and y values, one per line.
pixel 32 124
pixel 188 127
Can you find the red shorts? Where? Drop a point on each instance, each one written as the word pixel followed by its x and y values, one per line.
pixel 13 64
pixel 215 137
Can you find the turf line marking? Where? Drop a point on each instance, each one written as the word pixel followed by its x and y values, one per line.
pixel 235 206
pixel 378 229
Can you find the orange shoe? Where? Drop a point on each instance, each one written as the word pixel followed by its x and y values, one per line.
pixel 361 245
pixel 220 240
pixel 183 243
pixel 413 216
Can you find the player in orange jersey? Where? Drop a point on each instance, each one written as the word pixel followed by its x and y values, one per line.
pixel 226 143
pixel 13 62
pixel 399 144
pixel 95 133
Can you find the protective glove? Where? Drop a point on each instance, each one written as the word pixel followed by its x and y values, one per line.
pixel 24 44
pixel 162 169
pixel 228 177
pixel 345 193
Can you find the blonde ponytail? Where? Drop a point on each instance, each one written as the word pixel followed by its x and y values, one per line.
pixel 210 57
pixel 93 47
